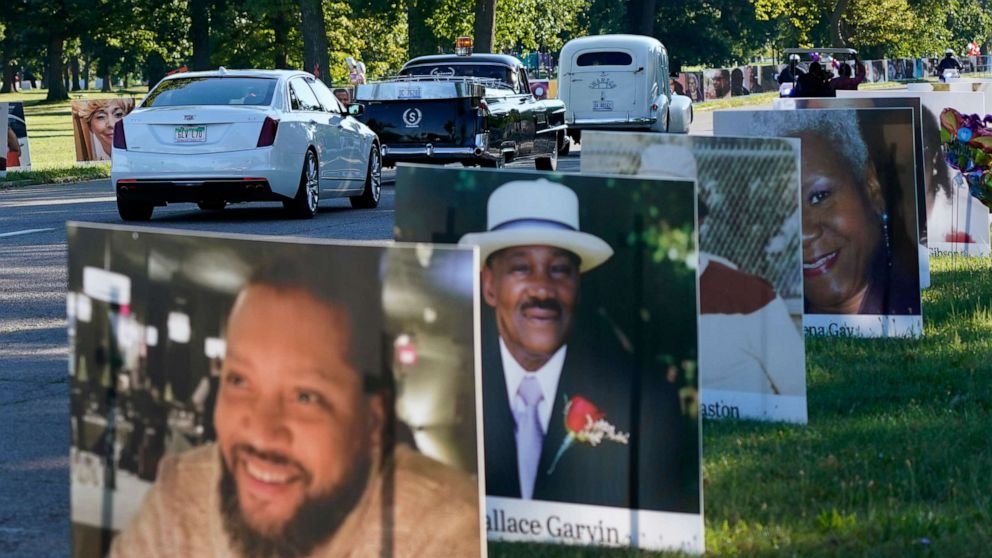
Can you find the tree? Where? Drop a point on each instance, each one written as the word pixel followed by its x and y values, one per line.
pixel 423 37
pixel 641 16
pixel 315 55
pixel 485 25
pixel 199 33
pixel 520 24
pixel 720 32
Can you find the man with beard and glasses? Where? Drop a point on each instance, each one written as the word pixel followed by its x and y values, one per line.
pixel 304 464
pixel 534 358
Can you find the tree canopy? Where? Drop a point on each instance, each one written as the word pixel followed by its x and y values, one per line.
pixel 118 39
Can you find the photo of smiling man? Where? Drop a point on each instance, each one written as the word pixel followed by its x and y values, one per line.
pixel 589 345
pixel 310 457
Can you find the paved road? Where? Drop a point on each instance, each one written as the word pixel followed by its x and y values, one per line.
pixel 34 400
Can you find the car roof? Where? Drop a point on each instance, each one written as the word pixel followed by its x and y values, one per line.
pixel 502 59
pixel 223 72
pixel 609 41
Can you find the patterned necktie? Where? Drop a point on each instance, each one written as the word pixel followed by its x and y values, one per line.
pixel 530 436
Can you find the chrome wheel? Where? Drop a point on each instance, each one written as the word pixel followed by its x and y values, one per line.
pixel 312 182
pixel 369 198
pixel 304 205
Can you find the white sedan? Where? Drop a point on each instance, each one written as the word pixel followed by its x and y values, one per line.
pixel 224 136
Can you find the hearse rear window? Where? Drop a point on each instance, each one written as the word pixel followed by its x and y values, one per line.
pixel 604 58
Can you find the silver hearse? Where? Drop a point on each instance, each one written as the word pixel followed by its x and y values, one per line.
pixel 619 82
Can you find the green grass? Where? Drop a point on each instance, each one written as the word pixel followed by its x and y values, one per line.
pixel 53 153
pixel 764 98
pixel 895 460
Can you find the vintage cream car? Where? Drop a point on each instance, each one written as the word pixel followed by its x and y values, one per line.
pixel 619 82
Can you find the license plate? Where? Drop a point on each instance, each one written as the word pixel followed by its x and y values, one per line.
pixel 191 134
pixel 602 106
pixel 409 93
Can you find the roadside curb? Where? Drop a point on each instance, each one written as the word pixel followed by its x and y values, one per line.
pixel 8 185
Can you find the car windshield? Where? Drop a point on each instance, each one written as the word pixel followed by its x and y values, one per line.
pixel 443 69
pixel 215 90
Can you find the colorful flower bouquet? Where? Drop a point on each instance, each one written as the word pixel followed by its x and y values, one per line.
pixel 967 144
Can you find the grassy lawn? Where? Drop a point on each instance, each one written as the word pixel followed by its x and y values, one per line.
pixel 763 98
pixel 895 460
pixel 53 153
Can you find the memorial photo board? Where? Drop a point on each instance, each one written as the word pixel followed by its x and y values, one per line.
pixel 752 361
pixel 236 395
pixel 860 235
pixel 18 152
pixel 717 84
pixel 589 292
pixel 4 107
pixel 956 222
pixel 922 179
pixel 93 123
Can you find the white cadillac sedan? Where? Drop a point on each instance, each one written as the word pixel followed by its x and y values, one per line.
pixel 224 136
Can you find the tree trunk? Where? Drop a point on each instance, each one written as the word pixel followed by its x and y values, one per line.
pixel 65 77
pixel 422 40
pixel 280 30
pixel 199 34
pixel 485 25
pixel 74 66
pixel 315 55
pixel 836 37
pixel 9 71
pixel 57 91
pixel 107 76
pixel 640 17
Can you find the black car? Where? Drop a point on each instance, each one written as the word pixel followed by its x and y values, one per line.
pixel 476 109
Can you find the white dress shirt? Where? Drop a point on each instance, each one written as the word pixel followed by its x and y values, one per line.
pixel 547 375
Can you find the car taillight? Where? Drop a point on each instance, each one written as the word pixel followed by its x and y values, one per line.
pixel 268 134
pixel 120 142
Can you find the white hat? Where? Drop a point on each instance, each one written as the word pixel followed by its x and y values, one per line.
pixel 537 212
pixel 949 51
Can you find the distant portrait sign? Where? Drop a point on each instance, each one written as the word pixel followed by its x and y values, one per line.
pixel 93 122
pixel 18 150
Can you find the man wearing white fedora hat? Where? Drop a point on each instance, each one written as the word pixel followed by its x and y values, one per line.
pixel 536 364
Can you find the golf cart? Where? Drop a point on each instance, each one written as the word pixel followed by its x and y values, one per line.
pixel 800 59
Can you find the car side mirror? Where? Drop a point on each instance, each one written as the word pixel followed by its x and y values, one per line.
pixel 356 109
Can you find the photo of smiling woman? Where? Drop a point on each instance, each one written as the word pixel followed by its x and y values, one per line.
pixel 860 255
pixel 93 126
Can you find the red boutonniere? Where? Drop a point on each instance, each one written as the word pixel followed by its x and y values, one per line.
pixel 585 423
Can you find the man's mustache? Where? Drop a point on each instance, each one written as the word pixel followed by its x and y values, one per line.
pixel 542 304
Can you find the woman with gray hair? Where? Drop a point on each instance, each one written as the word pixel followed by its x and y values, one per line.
pixel 857 257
